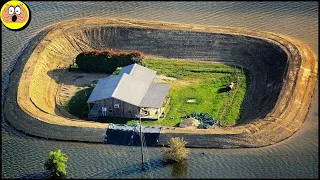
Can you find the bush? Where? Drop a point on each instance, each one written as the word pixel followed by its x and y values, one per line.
pixel 107 61
pixel 177 151
pixel 56 163
pixel 117 71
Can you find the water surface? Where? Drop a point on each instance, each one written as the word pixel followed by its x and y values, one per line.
pixel 296 157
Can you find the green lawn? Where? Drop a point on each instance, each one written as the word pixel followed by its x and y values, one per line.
pixel 202 81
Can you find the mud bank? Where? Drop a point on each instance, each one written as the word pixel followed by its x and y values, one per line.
pixel 283 76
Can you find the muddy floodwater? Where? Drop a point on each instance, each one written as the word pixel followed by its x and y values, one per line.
pixel 296 157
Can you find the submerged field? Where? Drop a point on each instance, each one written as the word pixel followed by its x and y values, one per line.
pixel 195 87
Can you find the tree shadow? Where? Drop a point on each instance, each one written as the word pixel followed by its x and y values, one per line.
pixel 40 175
pixel 59 75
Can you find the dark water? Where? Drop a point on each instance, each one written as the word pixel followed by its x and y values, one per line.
pixel 296 157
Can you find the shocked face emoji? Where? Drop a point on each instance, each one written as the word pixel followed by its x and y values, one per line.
pixel 14 15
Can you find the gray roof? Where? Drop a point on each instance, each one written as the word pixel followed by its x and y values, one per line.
pixel 155 95
pixel 126 69
pixel 140 72
pixel 134 85
pixel 131 89
pixel 104 88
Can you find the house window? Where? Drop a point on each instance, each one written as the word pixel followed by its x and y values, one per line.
pixel 116 105
pixel 110 109
pixel 129 112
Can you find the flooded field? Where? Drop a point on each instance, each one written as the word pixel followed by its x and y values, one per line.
pixel 297 157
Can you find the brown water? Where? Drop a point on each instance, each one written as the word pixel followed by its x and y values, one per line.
pixel 296 157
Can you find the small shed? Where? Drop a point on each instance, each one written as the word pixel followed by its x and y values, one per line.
pixel 230 86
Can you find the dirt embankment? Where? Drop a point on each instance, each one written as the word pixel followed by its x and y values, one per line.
pixel 283 76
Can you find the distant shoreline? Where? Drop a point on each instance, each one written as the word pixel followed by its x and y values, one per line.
pixel 29 110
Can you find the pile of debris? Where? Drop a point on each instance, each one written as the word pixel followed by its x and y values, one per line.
pixel 191 123
pixel 204 119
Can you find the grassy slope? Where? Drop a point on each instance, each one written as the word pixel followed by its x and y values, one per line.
pixel 203 81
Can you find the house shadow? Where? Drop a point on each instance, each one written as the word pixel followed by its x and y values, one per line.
pixel 76 105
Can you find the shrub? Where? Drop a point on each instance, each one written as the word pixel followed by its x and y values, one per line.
pixel 107 61
pixel 177 151
pixel 56 163
pixel 117 71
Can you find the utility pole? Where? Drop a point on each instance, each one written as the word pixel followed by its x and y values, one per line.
pixel 142 158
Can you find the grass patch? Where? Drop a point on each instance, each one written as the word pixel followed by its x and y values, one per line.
pixel 74 66
pixel 203 81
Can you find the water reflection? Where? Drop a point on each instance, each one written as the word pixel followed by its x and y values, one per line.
pixel 133 170
pixel 180 169
pixel 40 175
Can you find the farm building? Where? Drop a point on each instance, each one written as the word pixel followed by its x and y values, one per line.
pixel 127 94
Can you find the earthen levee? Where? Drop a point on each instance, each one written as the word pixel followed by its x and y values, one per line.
pixel 283 73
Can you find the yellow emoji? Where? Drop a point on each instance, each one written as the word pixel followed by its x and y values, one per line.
pixel 15 15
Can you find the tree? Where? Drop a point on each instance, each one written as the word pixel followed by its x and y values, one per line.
pixel 56 163
pixel 177 151
pixel 107 61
